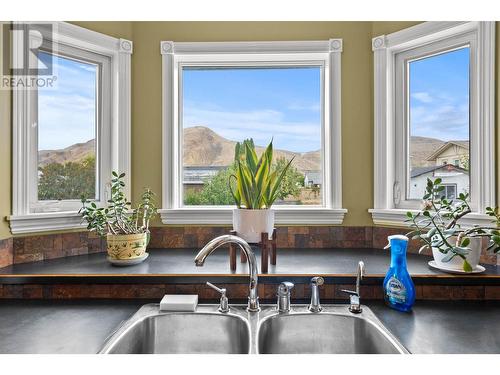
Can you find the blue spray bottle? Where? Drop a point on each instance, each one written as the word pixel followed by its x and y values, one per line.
pixel 399 291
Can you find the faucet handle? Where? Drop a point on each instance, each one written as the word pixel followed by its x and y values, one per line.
pixel 216 288
pixel 350 292
pixel 224 305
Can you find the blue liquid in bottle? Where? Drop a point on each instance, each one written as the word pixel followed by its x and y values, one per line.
pixel 399 291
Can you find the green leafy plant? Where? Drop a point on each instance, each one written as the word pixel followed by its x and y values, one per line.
pixel 216 190
pixel 256 184
pixel 118 217
pixel 438 226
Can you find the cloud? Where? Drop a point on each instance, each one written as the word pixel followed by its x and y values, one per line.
pixel 313 107
pixel 67 110
pixel 65 120
pixel 423 97
pixel 262 125
pixel 445 122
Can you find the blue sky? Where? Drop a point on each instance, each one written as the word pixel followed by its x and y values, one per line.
pixel 67 111
pixel 240 103
pixel 439 96
pixel 282 103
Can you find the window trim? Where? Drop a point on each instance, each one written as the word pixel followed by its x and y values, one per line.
pixel 174 53
pixel 119 51
pixel 385 48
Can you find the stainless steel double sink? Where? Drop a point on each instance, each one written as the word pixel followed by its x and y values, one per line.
pixel 331 331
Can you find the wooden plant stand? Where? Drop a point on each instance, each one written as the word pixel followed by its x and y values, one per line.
pixel 267 245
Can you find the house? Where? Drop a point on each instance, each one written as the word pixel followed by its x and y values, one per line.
pixel 455 180
pixel 313 178
pixel 195 176
pixel 451 152
pixel 451 163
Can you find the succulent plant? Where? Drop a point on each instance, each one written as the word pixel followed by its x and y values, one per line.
pixel 118 217
pixel 256 183
pixel 438 225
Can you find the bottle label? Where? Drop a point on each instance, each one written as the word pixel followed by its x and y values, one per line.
pixel 396 291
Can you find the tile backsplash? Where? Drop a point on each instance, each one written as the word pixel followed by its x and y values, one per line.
pixel 40 247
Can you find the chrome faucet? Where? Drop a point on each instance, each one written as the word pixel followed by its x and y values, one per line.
pixel 253 297
pixel 284 296
pixel 354 298
pixel 315 306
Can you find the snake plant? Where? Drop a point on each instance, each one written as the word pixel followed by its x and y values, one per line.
pixel 256 183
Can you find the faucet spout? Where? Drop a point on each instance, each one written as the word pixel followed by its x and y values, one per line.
pixel 209 248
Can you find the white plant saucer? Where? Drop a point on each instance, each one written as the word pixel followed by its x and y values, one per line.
pixel 127 262
pixel 432 264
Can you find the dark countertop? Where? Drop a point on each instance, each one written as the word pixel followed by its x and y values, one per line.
pixel 178 264
pixel 82 326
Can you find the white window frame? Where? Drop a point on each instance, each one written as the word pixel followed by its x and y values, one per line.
pixel 390 137
pixel 113 142
pixel 175 55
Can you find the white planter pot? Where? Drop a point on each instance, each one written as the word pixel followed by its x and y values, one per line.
pixel 249 224
pixel 457 262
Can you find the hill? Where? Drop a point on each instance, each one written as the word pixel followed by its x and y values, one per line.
pixel 75 153
pixel 204 147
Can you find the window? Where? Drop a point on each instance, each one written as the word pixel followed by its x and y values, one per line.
pixel 434 116
pixel 63 146
pixel 436 100
pixel 73 122
pixel 217 94
pixel 449 192
pixel 282 104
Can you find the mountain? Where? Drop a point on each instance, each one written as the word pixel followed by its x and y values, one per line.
pixel 75 153
pixel 421 148
pixel 204 147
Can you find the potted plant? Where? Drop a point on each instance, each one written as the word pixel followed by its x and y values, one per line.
pixel 438 226
pixel 255 186
pixel 126 230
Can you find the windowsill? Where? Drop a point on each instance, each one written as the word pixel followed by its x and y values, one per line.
pixel 44 222
pixel 223 215
pixel 396 217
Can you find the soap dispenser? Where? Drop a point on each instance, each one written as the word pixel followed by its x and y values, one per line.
pixel 399 291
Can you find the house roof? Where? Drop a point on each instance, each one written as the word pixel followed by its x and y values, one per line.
pixel 445 146
pixel 418 171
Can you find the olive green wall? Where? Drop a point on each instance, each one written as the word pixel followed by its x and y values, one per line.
pixel 5 162
pixel 357 97
pixel 5 153
pixel 117 29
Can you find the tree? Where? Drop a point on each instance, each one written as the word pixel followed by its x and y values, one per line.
pixel 215 190
pixel 71 180
pixel 465 162
pixel 292 182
